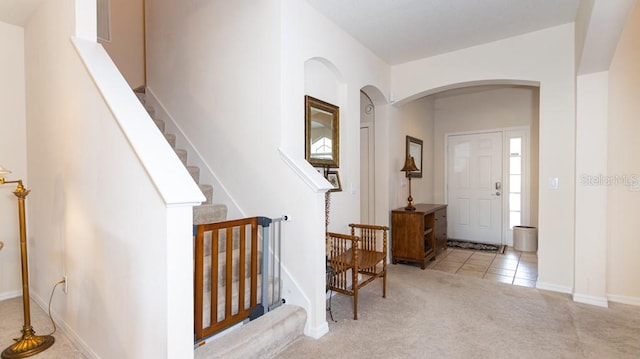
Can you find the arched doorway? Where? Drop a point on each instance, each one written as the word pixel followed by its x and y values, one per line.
pixel 367 159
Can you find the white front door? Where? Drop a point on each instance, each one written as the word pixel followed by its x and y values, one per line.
pixel 474 182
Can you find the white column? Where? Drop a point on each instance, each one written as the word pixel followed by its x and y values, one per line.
pixel 591 189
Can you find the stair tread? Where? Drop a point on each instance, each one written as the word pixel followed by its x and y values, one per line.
pixel 260 338
pixel 160 124
pixel 209 213
pixel 171 138
pixel 142 97
pixel 194 171
pixel 182 154
pixel 207 191
pixel 150 109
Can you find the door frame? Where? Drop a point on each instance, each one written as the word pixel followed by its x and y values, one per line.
pixel 525 219
pixel 507 133
pixel 371 195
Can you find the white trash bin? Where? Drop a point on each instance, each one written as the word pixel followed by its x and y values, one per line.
pixel 525 238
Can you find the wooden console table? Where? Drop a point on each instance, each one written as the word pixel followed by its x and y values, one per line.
pixel 418 236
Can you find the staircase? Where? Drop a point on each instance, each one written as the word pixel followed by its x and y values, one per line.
pixel 207 212
pixel 263 337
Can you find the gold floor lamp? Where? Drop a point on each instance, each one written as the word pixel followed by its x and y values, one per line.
pixel 30 343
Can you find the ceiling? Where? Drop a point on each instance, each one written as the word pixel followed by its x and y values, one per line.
pixel 17 12
pixel 399 31
pixel 404 30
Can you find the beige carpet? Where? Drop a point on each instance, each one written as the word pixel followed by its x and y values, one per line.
pixel 11 323
pixel 432 314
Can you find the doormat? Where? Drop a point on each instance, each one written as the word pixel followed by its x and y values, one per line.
pixel 493 248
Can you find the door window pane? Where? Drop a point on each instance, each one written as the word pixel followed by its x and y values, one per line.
pixel 515 181
pixel 515 184
pixel 515 165
pixel 514 201
pixel 515 146
pixel 514 219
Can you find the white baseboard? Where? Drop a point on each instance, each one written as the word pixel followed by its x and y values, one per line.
pixel 317 332
pixel 61 325
pixel 292 293
pixel 554 287
pixel 9 295
pixel 591 300
pixel 624 299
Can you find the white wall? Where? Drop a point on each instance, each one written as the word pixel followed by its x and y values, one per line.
pixel 591 194
pixel 416 120
pixel 98 210
pixel 126 46
pixel 13 153
pixel 623 205
pixel 225 97
pixel 306 35
pixel 232 75
pixel 546 58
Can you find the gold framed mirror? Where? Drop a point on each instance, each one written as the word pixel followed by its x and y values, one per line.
pixel 414 149
pixel 322 133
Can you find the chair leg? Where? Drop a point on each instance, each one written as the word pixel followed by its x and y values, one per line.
pixel 355 303
pixel 354 282
pixel 384 281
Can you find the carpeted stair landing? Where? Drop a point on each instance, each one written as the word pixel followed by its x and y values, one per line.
pixel 264 337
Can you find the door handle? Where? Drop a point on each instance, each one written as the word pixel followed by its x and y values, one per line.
pixel 498 188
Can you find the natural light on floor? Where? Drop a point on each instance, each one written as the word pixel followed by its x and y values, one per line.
pixel 512 267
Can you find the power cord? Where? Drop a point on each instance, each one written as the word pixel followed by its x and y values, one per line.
pixel 330 279
pixel 50 298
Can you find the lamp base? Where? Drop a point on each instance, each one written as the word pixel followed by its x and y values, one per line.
pixel 30 344
pixel 410 206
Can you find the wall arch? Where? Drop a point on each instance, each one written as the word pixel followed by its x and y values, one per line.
pixel 466 84
pixel 374 93
pixel 545 59
pixel 323 80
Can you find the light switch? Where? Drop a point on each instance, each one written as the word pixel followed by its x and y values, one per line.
pixel 553 182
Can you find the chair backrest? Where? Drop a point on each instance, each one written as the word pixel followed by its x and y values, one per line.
pixel 372 237
pixel 342 249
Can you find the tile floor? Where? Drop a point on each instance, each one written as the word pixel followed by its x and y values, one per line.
pixel 513 267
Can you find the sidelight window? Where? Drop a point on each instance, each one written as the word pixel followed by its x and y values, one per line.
pixel 515 181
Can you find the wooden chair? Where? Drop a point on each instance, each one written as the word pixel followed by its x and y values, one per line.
pixel 364 252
